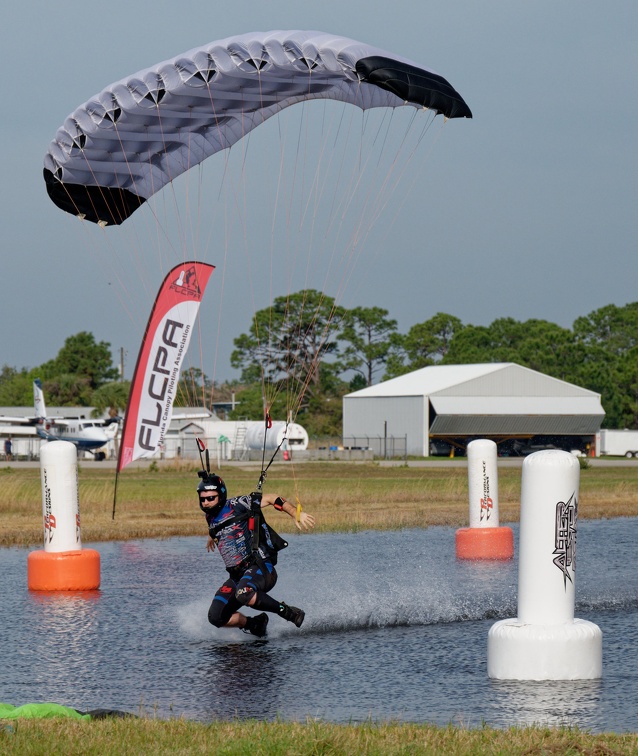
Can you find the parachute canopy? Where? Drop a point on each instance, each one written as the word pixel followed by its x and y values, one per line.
pixel 140 133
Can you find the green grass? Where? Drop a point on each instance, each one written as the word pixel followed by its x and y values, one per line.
pixel 142 736
pixel 343 496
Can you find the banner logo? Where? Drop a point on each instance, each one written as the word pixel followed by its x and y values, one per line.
pixel 186 283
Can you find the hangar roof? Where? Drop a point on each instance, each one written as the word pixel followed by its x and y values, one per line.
pixel 497 379
pixel 495 398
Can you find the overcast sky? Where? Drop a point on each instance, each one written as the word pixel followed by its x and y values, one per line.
pixel 526 211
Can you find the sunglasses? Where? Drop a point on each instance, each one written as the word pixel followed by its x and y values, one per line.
pixel 210 497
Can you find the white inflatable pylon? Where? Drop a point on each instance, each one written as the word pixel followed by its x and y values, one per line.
pixel 545 641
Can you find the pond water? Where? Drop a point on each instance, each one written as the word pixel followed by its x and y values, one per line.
pixel 396 628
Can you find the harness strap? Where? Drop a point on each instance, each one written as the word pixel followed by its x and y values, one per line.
pixel 277 541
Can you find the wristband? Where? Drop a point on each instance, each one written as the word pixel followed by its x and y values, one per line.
pixel 298 517
pixel 279 503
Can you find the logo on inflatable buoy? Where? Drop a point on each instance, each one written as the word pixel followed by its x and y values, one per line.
pixel 565 537
pixel 487 505
pixel 486 502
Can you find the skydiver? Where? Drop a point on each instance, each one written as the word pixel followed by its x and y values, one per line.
pixel 251 573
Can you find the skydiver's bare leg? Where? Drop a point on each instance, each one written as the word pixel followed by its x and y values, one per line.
pixel 236 620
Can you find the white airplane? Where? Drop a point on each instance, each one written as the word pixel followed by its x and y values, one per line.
pixel 86 434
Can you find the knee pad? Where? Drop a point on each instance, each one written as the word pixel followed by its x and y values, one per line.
pixel 216 615
pixel 244 594
pixel 221 609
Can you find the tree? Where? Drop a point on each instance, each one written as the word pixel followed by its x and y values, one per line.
pixel 68 390
pixel 609 338
pixel 81 356
pixel 425 344
pixel 111 396
pixel 367 332
pixel 627 373
pixel 288 341
pixel 614 328
pixel 474 344
pixel 16 387
pixel 537 344
pixel 250 405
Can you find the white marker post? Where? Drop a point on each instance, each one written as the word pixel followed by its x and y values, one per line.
pixel 484 539
pixel 545 642
pixel 63 565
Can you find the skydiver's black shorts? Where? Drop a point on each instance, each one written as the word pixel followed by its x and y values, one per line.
pixel 238 590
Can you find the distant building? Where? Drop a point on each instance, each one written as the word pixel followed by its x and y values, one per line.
pixel 442 408
pixel 233 439
pixel 226 439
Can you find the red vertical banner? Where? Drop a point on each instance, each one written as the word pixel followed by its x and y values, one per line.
pixel 159 363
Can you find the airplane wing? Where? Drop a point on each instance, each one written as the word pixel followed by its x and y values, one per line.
pixel 8 420
pixel 191 415
pixel 16 422
pixel 16 430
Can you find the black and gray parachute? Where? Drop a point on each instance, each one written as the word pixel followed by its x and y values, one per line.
pixel 140 133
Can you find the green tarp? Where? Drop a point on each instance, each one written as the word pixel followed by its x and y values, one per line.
pixel 39 711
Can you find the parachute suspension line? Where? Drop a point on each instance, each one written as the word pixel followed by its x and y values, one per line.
pixel 159 231
pixel 408 192
pixel 313 368
pixel 222 201
pixel 299 379
pixel 271 390
pixel 189 251
pixel 375 206
pixel 181 226
pixel 267 425
pixel 97 183
pixel 197 256
pixel 318 187
pixel 350 245
pixel 295 370
pixel 134 256
pixel 339 204
pixel 192 393
pixel 342 163
pixel 386 131
pixel 157 224
pixel 110 270
pixel 265 467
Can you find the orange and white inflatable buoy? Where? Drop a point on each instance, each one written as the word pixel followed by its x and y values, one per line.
pixel 485 543
pixel 63 565
pixel 485 538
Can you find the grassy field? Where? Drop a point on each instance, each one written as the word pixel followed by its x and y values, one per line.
pixel 161 502
pixel 141 736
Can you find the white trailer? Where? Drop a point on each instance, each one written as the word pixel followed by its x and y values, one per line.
pixel 617 443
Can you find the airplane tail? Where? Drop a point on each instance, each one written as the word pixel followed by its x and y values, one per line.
pixel 38 399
